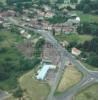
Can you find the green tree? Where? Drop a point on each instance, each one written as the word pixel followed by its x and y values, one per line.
pixel 93 60
pixel 53 31
pixel 38 47
pixel 86 8
pixel 73 1
pixel 18 93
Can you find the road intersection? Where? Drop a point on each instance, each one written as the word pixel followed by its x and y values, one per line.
pixel 89 77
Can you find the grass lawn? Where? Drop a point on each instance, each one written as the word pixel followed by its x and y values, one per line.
pixel 35 90
pixel 78 38
pixel 90 93
pixel 90 67
pixel 7 39
pixel 70 77
pixel 87 17
pixel 3 1
pixel 74 37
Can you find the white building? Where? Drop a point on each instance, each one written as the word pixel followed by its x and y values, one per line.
pixel 25 34
pixel 43 71
pixel 76 51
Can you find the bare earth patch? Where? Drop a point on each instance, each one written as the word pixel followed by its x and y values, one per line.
pixel 70 77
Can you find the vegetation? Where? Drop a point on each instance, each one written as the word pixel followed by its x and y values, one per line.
pixel 74 37
pixel 73 1
pixel 88 28
pixel 89 93
pixel 90 48
pixel 57 19
pixel 39 47
pixel 11 2
pixel 12 63
pixel 33 86
pixel 88 6
pixel 90 67
pixel 18 93
pixel 70 77
pixel 87 17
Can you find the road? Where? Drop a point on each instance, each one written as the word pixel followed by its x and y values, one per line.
pixel 89 77
pixel 4 95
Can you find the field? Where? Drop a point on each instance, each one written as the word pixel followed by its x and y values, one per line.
pixel 78 38
pixel 74 37
pixel 34 88
pixel 90 67
pixel 90 93
pixel 87 17
pixel 10 59
pixel 2 1
pixel 70 77
pixel 7 39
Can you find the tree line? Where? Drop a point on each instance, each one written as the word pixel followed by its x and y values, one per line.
pixel 89 48
pixel 88 28
pixel 11 2
pixel 14 62
pixel 88 6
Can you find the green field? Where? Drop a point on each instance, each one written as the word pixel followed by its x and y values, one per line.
pixel 87 17
pixel 73 37
pixel 90 93
pixel 34 88
pixel 70 77
pixel 90 67
pixel 3 1
pixel 7 39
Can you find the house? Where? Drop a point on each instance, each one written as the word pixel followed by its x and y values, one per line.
pixel 26 19
pixel 25 34
pixel 44 70
pixel 46 8
pixel 76 51
pixel 49 14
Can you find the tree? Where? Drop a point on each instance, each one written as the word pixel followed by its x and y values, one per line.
pixel 60 1
pixel 11 2
pixel 83 4
pixel 53 31
pixel 19 7
pixel 88 28
pixel 93 60
pixel 18 93
pixel 1 4
pixel 3 75
pixel 73 1
pixel 86 8
pixel 38 47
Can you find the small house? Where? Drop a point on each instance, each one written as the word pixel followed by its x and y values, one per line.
pixel 76 51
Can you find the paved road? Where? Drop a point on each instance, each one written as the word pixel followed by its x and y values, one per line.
pixel 90 77
pixel 4 95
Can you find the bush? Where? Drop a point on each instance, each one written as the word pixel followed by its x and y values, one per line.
pixel 18 93
pixel 3 75
pixel 93 60
pixel 87 8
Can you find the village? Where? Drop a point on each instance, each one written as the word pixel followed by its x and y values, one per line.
pixel 39 20
pixel 46 42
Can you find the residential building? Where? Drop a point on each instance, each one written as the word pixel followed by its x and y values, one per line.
pixel 76 51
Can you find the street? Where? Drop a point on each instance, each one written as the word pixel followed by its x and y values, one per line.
pixel 89 77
